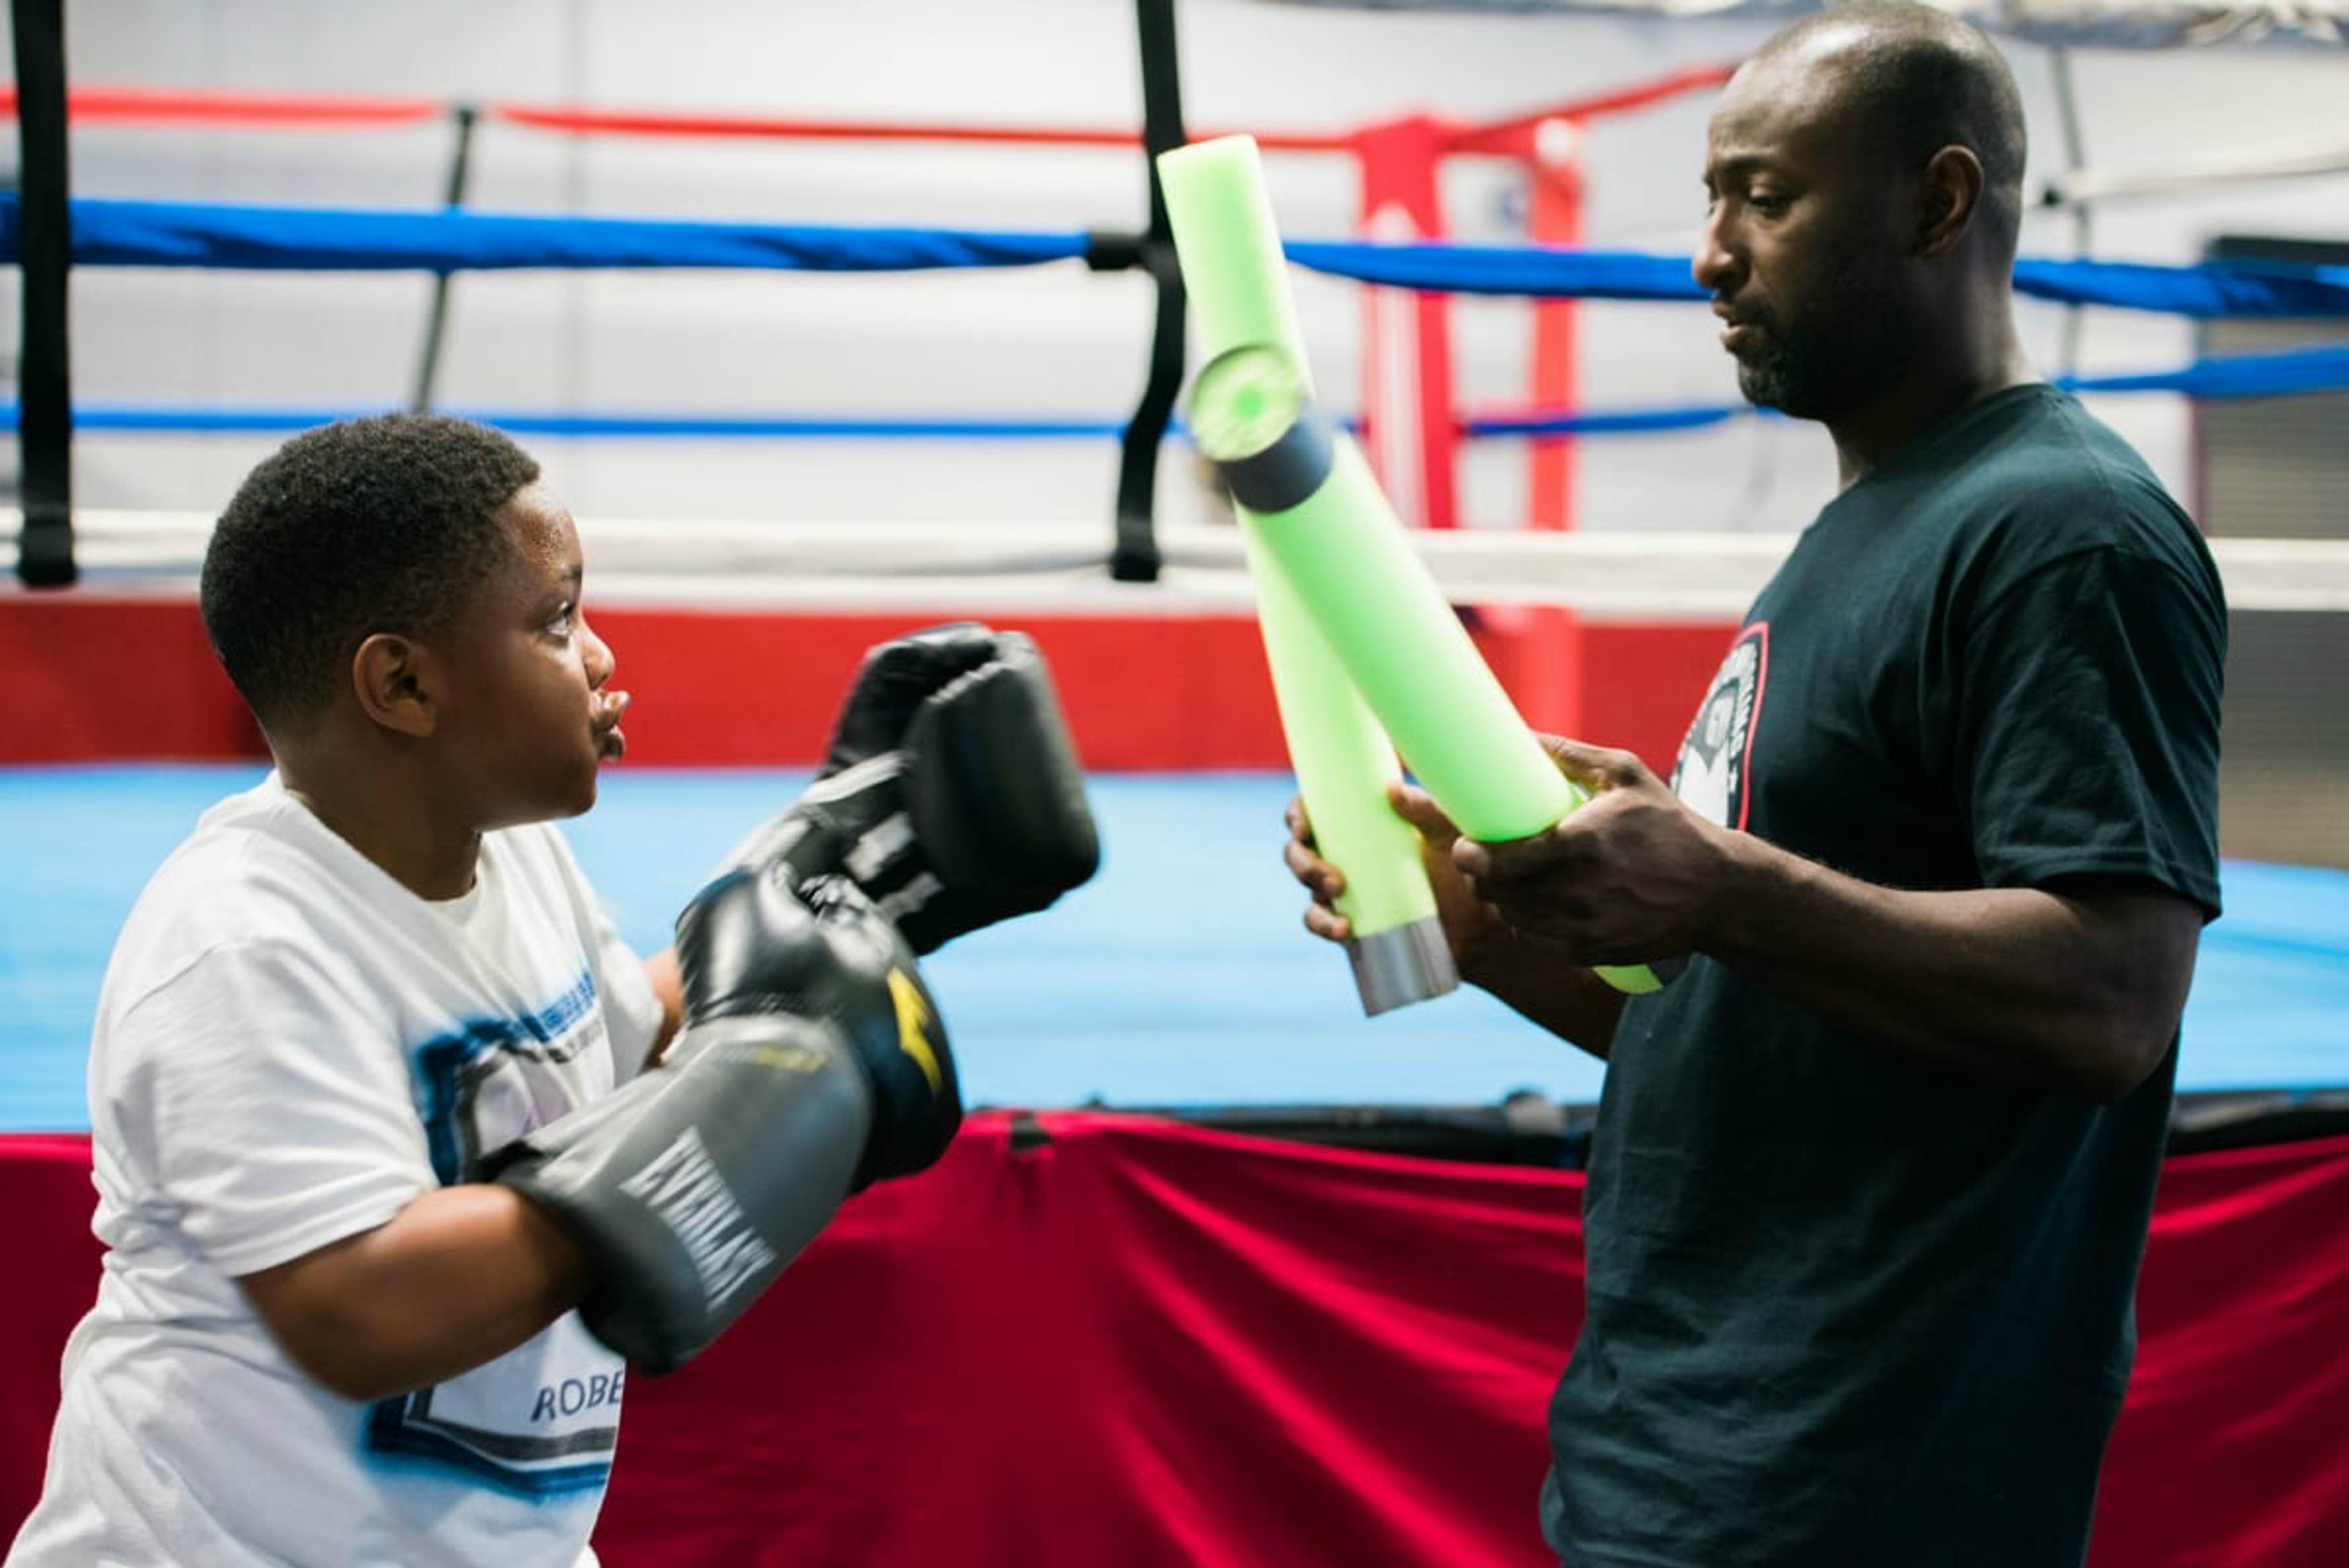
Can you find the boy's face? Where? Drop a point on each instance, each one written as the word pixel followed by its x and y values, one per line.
pixel 525 722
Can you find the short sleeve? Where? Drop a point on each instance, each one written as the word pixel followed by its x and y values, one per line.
pixel 2088 724
pixel 279 1107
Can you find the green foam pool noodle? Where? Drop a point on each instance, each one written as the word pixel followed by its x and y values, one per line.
pixel 1326 527
pixel 1338 749
pixel 1235 276
pixel 1236 282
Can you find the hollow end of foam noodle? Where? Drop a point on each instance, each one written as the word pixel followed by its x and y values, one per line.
pixel 1401 965
pixel 1252 416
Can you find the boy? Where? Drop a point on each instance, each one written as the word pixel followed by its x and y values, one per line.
pixel 401 1155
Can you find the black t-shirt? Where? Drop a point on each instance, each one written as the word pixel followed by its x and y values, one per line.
pixel 1844 1311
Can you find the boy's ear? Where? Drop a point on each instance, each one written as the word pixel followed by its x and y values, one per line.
pixel 397 683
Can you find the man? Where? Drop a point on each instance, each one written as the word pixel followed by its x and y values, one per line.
pixel 1870 1179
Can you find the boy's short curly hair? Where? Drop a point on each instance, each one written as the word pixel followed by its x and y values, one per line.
pixel 386 524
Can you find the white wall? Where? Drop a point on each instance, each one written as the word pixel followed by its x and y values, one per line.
pixel 1052 340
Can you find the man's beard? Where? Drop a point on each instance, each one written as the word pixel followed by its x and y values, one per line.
pixel 1778 375
pixel 1828 364
pixel 1804 377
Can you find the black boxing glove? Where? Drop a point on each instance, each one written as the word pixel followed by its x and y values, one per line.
pixel 950 791
pixel 811 1063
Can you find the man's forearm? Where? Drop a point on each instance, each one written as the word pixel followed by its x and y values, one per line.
pixel 2015 986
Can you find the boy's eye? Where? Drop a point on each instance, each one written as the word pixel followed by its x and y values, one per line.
pixel 561 624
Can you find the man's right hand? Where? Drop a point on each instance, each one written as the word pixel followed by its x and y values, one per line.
pixel 1536 980
pixel 1469 924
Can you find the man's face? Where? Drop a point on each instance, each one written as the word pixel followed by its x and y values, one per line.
pixel 525 722
pixel 1803 241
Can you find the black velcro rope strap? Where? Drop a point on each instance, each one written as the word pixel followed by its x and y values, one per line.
pixel 1135 557
pixel 1108 250
pixel 45 556
pixel 435 321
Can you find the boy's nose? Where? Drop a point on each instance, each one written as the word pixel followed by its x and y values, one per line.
pixel 600 662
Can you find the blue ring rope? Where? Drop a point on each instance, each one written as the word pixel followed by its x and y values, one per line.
pixel 2284 374
pixel 110 233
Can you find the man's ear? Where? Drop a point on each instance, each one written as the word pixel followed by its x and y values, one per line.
pixel 1947 199
pixel 397 683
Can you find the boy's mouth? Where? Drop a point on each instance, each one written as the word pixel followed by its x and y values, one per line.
pixel 611 742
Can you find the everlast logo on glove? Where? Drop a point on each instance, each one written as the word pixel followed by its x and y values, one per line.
pixel 684 1189
pixel 915 1021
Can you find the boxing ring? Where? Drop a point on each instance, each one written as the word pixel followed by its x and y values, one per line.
pixel 1222 1272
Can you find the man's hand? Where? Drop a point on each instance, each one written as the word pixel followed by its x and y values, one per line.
pixel 1468 922
pixel 1559 995
pixel 1628 878
pixel 2073 990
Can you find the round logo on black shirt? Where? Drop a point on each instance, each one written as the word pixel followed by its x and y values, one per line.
pixel 1711 775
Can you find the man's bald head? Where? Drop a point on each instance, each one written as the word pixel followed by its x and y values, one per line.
pixel 1911 79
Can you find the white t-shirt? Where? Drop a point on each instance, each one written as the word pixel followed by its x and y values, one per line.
pixel 290 1047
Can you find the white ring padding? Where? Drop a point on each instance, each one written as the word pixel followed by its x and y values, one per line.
pixel 2081 186
pixel 985 567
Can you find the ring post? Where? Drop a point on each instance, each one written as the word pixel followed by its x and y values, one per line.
pixel 1235 278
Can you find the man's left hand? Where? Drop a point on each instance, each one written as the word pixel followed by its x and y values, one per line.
pixel 1631 876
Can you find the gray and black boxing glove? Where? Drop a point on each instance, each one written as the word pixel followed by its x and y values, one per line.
pixel 950 790
pixel 812 1064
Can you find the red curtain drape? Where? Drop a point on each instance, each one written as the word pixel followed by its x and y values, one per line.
pixel 1092 1339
